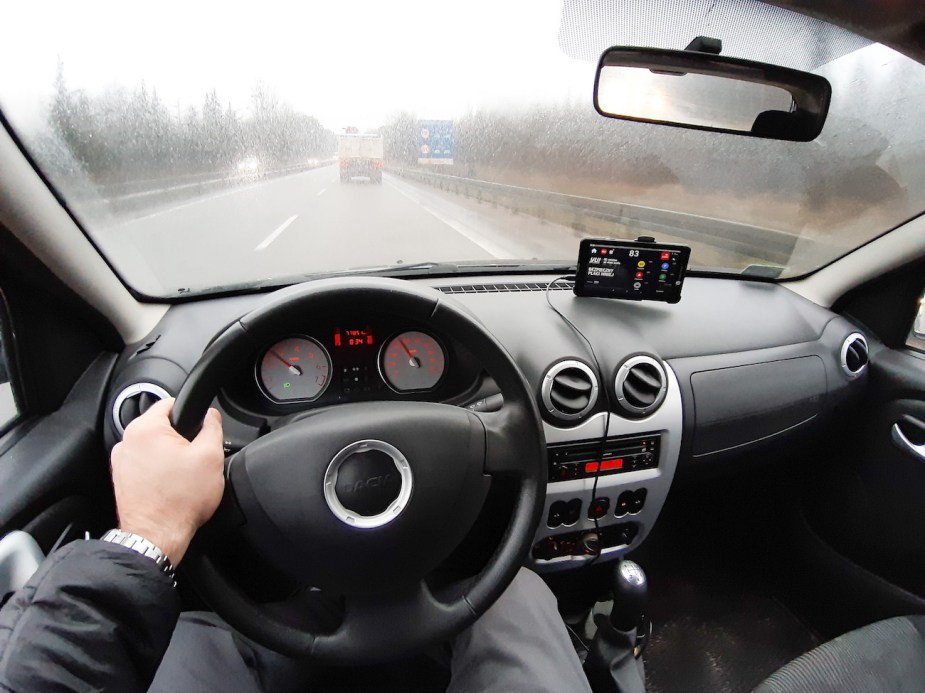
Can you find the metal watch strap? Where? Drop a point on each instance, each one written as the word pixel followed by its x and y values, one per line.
pixel 141 545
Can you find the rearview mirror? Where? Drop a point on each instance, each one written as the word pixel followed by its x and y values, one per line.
pixel 704 91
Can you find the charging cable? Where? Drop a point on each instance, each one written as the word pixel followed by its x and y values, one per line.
pixel 603 387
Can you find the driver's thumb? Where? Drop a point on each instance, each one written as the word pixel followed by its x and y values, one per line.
pixel 210 435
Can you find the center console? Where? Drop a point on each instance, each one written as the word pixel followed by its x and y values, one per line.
pixel 604 493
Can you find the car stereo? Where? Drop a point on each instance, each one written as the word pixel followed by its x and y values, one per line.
pixel 634 270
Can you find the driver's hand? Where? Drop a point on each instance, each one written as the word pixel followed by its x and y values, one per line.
pixel 166 487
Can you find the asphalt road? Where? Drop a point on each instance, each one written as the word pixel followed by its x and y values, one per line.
pixel 311 222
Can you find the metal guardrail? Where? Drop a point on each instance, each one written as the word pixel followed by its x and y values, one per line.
pixel 754 241
pixel 139 194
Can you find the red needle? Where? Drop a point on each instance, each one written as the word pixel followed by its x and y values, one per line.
pixel 413 360
pixel 295 369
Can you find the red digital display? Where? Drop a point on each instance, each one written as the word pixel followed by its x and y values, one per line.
pixel 353 337
pixel 606 465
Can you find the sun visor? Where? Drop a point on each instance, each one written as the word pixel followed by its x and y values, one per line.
pixel 750 30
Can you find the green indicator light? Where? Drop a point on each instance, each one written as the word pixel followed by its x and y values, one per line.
pixel 287 385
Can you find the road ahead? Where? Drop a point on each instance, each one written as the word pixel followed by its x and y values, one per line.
pixel 311 222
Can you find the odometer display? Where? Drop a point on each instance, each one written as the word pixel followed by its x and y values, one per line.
pixel 295 369
pixel 413 361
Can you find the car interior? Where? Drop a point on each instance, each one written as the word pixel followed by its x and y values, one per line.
pixel 729 477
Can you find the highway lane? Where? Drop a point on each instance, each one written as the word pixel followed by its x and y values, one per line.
pixel 311 222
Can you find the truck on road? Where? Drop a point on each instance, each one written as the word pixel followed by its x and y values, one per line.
pixel 360 157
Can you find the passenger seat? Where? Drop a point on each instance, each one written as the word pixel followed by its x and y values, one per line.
pixel 884 656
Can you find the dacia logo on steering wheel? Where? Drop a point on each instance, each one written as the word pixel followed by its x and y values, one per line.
pixel 364 484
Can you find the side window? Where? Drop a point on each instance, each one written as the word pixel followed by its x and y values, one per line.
pixel 916 338
pixel 8 409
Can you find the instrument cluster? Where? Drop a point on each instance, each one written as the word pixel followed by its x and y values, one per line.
pixel 348 361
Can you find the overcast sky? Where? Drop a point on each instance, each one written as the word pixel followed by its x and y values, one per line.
pixel 348 63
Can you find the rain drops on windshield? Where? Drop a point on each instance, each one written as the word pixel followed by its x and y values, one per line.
pixel 246 151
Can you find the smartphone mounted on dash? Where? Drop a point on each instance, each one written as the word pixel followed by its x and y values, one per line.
pixel 631 270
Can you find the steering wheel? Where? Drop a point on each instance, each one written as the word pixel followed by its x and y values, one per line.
pixel 366 500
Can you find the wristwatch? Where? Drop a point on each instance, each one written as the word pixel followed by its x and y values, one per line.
pixel 144 547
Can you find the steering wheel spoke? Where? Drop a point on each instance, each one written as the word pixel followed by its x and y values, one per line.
pixel 372 622
pixel 506 452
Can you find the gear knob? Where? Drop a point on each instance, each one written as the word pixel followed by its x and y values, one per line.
pixel 630 594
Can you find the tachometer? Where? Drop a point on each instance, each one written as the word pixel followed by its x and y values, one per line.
pixel 295 369
pixel 413 361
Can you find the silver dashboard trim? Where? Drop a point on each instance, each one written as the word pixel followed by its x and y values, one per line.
pixel 666 421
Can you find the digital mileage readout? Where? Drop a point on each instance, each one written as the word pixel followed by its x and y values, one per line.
pixel 353 337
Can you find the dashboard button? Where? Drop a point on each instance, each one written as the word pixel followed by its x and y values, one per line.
pixel 557 512
pixel 638 500
pixel 598 508
pixel 623 504
pixel 573 511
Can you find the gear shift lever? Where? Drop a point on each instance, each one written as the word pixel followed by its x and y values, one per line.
pixel 612 665
pixel 630 593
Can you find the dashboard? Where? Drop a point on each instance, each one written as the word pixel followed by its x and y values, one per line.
pixel 736 367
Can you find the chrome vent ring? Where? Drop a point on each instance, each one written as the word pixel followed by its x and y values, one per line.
pixel 854 355
pixel 640 385
pixel 133 401
pixel 570 390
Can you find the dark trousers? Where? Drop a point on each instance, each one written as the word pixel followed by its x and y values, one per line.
pixel 519 644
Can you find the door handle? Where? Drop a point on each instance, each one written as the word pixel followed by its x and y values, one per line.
pixel 903 442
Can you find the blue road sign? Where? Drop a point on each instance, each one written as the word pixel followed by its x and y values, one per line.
pixel 435 141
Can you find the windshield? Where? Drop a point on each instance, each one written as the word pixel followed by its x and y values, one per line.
pixel 203 147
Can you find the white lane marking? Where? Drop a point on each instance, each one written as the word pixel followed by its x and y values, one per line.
pixel 273 236
pixel 320 192
pixel 492 249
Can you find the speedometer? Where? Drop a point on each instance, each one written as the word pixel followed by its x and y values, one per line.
pixel 413 361
pixel 295 369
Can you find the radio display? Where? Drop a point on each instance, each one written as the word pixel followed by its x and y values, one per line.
pixel 631 270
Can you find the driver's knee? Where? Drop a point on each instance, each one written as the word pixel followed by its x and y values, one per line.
pixel 528 586
pixel 527 594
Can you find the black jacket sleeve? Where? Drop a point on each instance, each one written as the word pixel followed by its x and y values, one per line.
pixel 95 616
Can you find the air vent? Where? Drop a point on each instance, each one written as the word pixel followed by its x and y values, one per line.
pixel 641 385
pixel 134 401
pixel 569 390
pixel 561 285
pixel 854 356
